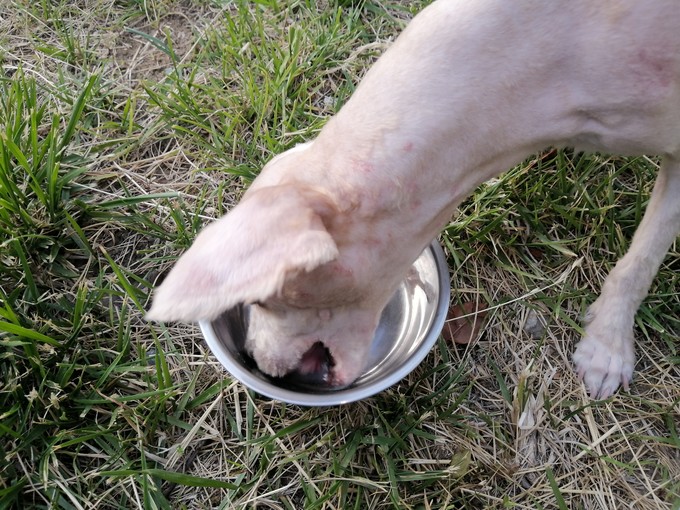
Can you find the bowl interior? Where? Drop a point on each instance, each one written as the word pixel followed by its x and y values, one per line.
pixel 408 327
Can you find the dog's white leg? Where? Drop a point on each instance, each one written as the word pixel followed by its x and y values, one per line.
pixel 605 356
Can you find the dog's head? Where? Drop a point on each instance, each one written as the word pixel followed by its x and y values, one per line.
pixel 313 307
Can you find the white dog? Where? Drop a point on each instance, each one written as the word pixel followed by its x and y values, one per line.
pixel 472 87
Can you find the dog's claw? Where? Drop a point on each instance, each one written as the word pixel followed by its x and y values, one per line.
pixel 626 383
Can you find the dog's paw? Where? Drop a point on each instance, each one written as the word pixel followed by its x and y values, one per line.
pixel 605 361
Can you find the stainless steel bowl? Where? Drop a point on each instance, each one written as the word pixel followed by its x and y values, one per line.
pixel 408 328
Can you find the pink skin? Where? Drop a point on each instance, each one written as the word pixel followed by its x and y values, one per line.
pixel 472 87
pixel 313 361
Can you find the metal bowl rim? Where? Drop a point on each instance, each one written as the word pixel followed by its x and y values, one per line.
pixel 350 394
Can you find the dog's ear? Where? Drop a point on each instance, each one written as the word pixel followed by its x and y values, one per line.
pixel 246 256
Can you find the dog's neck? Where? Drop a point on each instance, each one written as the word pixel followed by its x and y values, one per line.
pixel 410 144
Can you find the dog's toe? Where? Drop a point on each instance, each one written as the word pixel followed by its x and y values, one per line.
pixel 604 364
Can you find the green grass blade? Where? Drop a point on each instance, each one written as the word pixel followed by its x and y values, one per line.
pixel 561 503
pixel 171 476
pixel 20 331
pixel 76 114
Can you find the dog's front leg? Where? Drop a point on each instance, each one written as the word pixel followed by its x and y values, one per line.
pixel 605 356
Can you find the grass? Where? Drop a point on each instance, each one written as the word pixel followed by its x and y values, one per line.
pixel 126 125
